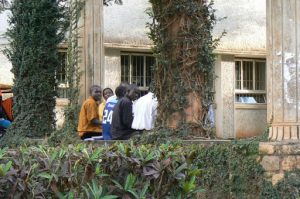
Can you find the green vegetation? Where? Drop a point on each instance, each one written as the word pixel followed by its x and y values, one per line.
pixel 165 170
pixel 36 29
pixel 182 34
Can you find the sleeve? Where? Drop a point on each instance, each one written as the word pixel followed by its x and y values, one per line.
pixel 100 110
pixel 91 111
pixel 127 116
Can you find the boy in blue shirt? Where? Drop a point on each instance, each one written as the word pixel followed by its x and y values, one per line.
pixel 108 111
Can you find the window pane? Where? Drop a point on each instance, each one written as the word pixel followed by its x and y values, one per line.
pixel 150 62
pixel 251 98
pixel 61 75
pixel 247 75
pixel 238 75
pixel 125 68
pixel 61 71
pixel 260 75
pixel 138 70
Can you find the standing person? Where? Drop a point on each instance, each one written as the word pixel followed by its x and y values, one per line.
pixel 89 124
pixel 107 92
pixel 108 111
pixel 122 117
pixel 144 112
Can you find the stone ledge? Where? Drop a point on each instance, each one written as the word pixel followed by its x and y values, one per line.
pixel 279 148
pixel 271 163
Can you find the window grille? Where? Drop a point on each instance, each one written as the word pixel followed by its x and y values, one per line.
pixel 61 77
pixel 136 69
pixel 250 81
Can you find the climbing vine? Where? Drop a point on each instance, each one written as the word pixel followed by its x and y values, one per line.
pixel 182 34
pixel 36 28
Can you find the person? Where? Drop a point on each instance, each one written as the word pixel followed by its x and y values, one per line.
pixel 114 97
pixel 107 92
pixel 108 111
pixel 89 124
pixel 122 117
pixel 4 122
pixel 144 112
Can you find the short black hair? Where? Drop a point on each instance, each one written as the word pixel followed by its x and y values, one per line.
pixel 107 89
pixel 94 87
pixel 120 91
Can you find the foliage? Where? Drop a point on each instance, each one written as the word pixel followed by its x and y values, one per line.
pixel 71 112
pixel 3 4
pixel 181 32
pixel 36 28
pixel 125 170
pixel 81 171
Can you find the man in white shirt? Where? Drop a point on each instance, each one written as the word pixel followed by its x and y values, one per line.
pixel 144 112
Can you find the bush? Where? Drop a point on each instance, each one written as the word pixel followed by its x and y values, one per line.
pixel 125 170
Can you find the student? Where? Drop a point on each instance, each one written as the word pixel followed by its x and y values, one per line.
pixel 107 92
pixel 124 84
pixel 108 111
pixel 144 112
pixel 122 117
pixel 89 124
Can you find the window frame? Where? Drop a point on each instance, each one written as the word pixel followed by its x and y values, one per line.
pixel 61 85
pixel 250 91
pixel 130 54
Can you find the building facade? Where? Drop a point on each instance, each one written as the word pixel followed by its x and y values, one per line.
pixel 115 47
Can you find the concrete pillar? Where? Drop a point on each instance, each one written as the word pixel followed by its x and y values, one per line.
pixel 283 45
pixel 224 69
pixel 92 54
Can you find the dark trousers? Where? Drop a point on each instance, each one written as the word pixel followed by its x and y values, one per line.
pixel 90 134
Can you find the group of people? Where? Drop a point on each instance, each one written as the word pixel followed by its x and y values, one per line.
pixel 120 116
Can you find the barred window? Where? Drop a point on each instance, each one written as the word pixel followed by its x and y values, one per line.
pixel 136 69
pixel 250 81
pixel 61 77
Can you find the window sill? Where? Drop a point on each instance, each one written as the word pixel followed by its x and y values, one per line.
pixel 250 106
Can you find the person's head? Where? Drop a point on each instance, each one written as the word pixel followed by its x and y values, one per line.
pixel 120 91
pixel 107 92
pixel 133 92
pixel 125 84
pixel 95 92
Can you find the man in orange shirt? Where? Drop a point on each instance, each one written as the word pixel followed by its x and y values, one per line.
pixel 89 124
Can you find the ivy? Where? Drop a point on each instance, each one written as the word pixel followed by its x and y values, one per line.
pixel 36 29
pixel 181 32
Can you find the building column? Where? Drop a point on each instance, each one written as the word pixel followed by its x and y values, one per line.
pixel 92 48
pixel 283 59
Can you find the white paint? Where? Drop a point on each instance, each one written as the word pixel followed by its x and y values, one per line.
pixel 289 75
pixel 245 23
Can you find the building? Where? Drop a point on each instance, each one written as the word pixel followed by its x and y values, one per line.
pixel 116 47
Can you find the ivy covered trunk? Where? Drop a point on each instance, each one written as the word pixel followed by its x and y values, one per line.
pixel 181 31
pixel 36 29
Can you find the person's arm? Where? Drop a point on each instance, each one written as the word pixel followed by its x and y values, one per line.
pixel 127 116
pixel 92 114
pixel 95 121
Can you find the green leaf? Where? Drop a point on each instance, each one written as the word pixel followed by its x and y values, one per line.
pixel 118 185
pixel 45 175
pixel 134 194
pixel 109 197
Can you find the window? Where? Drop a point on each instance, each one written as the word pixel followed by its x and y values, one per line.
pixel 250 81
pixel 61 77
pixel 136 69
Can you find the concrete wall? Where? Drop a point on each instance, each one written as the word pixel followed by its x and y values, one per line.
pixel 112 71
pixel 250 122
pixel 225 97
pixel 235 120
pixel 6 77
